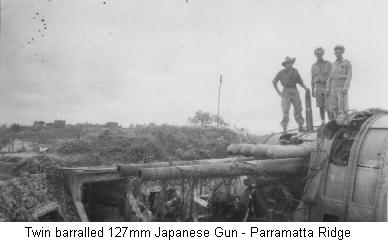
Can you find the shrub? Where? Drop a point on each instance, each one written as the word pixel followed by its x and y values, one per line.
pixel 75 147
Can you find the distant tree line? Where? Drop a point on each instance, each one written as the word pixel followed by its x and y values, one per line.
pixel 206 120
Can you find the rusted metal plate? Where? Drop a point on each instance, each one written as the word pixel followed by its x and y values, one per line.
pixel 365 186
pixel 335 181
pixel 359 213
pixel 373 148
pixel 308 136
pixel 381 122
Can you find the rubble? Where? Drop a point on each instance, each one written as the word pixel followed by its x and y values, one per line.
pixel 48 210
pixel 77 180
pixel 20 197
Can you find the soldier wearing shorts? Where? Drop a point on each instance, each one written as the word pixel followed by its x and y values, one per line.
pixel 339 82
pixel 320 71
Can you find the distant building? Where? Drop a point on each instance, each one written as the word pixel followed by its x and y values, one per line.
pixel 112 124
pixel 59 124
pixel 39 124
pixel 50 125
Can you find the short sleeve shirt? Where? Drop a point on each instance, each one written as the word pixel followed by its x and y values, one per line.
pixel 340 70
pixel 320 72
pixel 289 78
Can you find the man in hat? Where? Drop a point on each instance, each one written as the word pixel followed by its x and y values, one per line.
pixel 339 82
pixel 320 71
pixel 289 77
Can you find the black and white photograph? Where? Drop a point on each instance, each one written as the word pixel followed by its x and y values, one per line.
pixel 193 111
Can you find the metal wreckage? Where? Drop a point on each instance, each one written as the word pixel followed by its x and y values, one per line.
pixel 337 172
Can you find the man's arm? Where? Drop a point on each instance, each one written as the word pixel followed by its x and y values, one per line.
pixel 328 85
pixel 303 85
pixel 300 81
pixel 275 82
pixel 328 82
pixel 312 82
pixel 348 77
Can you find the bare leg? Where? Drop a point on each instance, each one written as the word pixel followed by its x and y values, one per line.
pixel 322 113
pixel 330 115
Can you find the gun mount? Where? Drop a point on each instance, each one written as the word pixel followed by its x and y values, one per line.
pixel 297 176
pixel 337 172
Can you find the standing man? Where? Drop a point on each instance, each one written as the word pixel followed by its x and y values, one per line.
pixel 339 82
pixel 319 75
pixel 289 77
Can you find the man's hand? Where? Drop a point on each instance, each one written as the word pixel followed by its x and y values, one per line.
pixel 344 90
pixel 280 94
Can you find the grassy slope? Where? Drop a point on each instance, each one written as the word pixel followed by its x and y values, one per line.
pixel 156 143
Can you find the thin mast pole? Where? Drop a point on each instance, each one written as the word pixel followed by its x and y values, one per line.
pixel 219 101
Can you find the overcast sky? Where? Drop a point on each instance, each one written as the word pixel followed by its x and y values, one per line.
pixel 136 61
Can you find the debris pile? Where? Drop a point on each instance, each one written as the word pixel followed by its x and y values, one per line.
pixel 21 196
pixel 186 200
pixel 34 165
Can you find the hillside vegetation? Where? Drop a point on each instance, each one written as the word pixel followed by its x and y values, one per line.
pixel 157 143
pixel 207 136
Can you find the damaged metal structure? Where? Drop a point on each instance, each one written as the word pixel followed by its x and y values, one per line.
pixel 338 172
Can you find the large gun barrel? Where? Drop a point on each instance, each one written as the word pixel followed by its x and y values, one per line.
pixel 268 166
pixel 132 169
pixel 271 151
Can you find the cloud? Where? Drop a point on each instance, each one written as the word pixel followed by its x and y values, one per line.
pixel 152 61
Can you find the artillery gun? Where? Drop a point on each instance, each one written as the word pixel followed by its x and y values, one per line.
pixel 336 173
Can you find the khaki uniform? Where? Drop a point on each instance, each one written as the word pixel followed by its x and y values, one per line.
pixel 339 79
pixel 320 74
pixel 289 79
